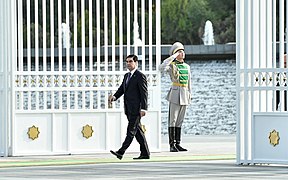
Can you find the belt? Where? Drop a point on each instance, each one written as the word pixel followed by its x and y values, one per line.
pixel 179 84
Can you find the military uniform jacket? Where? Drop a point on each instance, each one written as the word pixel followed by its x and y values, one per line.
pixel 177 94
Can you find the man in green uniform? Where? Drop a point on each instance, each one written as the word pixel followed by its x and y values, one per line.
pixel 179 95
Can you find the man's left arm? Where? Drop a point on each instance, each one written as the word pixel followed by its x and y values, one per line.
pixel 143 94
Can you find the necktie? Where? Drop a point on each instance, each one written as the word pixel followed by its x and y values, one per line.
pixel 128 78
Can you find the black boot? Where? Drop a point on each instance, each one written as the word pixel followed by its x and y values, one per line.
pixel 178 139
pixel 172 140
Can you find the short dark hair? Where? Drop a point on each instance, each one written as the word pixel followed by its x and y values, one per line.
pixel 133 56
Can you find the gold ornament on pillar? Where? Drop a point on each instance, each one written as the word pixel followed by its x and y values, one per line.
pixel 87 131
pixel 33 132
pixel 274 138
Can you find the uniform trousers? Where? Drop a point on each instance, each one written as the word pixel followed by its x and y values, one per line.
pixel 176 114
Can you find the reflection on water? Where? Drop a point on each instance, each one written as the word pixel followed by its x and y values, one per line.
pixel 213 108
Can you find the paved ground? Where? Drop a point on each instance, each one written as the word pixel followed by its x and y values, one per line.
pixel 200 148
pixel 211 169
pixel 209 157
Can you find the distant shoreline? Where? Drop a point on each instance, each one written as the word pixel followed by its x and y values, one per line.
pixel 193 52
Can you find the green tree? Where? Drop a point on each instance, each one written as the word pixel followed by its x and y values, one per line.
pixel 181 20
pixel 224 20
pixel 184 20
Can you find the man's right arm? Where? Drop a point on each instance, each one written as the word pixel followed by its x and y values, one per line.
pixel 118 93
pixel 165 64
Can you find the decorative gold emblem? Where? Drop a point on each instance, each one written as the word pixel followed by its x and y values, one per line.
pixel 33 132
pixel 33 81
pixel 110 80
pixel 263 78
pixel 277 78
pixel 48 81
pixel 143 128
pixel 102 81
pixel 87 131
pixel 274 137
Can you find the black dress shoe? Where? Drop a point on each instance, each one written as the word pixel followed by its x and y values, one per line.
pixel 142 157
pixel 180 148
pixel 119 156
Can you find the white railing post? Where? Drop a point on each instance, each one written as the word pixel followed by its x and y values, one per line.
pixel 3 82
pixel 8 45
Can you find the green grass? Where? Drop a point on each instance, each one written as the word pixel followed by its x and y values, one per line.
pixel 78 161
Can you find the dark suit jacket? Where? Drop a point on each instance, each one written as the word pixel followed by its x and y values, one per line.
pixel 135 93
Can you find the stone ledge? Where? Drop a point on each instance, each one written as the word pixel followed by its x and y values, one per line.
pixel 208 52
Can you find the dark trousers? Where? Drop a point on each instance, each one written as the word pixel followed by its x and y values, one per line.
pixel 134 129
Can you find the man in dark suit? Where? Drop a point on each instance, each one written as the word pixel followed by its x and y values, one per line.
pixel 134 89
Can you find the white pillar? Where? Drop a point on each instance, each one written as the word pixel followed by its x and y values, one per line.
pixel 259 79
pixel 7 57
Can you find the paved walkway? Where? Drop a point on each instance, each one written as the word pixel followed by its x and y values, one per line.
pixel 209 157
pixel 199 148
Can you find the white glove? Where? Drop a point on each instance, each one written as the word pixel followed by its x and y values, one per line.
pixel 175 55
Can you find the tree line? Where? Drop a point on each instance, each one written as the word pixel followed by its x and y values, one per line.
pixel 185 20
pixel 181 20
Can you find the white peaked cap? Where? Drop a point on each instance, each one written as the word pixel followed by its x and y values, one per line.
pixel 175 47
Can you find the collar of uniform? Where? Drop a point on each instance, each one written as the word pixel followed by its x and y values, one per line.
pixel 178 62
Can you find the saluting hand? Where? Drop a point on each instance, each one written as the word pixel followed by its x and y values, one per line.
pixel 175 55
